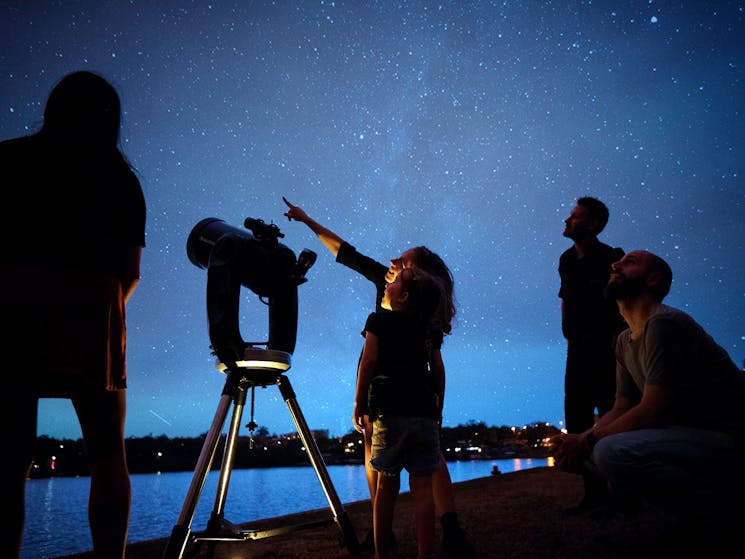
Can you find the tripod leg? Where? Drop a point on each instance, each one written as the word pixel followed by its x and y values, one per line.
pixel 180 533
pixel 345 525
pixel 229 454
pixel 216 526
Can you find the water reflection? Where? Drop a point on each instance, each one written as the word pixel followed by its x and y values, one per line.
pixel 56 508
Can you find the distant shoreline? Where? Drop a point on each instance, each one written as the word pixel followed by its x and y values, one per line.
pixel 475 441
pixel 216 466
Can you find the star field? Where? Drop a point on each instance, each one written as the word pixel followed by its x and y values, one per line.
pixel 470 127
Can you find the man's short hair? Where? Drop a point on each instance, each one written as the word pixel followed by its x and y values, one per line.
pixel 658 266
pixel 598 211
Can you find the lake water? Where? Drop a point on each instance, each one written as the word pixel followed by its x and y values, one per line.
pixel 56 508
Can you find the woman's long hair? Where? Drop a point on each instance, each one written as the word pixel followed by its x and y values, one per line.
pixel 83 108
pixel 426 299
pixel 432 264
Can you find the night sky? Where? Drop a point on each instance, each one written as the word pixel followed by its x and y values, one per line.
pixel 470 127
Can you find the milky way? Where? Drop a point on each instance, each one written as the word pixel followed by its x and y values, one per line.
pixel 471 127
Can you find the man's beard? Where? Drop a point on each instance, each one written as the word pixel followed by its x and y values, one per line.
pixel 620 288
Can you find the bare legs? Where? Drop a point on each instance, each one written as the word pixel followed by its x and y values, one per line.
pixel 383 508
pixel 442 488
pixel 101 415
pixel 102 421
pixel 370 473
pixel 18 410
pixel 454 541
pixel 424 515
pixel 442 485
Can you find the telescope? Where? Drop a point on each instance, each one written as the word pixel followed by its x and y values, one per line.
pixel 252 258
pixel 235 258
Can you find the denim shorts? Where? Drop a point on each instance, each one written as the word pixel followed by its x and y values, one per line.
pixel 405 442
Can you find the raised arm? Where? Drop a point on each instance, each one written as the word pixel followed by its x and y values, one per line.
pixel 331 240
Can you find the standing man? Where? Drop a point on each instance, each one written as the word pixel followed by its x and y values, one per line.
pixel 590 323
pixel 676 432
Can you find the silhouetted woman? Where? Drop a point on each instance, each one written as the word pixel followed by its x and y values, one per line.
pixel 73 224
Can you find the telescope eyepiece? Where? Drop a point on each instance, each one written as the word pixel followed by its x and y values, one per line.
pixel 264 232
pixel 305 260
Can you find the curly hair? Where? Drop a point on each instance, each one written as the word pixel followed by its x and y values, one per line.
pixel 432 264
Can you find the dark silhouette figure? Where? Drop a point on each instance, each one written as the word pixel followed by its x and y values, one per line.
pixel 454 541
pixel 74 224
pixel 590 324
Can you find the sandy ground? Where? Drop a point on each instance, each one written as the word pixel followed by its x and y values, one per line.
pixel 515 515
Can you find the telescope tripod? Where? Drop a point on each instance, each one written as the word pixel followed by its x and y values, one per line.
pixel 240 379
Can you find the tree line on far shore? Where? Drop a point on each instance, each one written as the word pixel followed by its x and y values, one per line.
pixel 472 441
